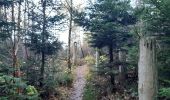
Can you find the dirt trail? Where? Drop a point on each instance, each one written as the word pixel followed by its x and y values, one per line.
pixel 79 83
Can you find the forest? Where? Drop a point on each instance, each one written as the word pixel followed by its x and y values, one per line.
pixel 111 50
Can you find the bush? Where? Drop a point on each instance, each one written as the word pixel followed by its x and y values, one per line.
pixel 164 93
pixel 13 88
pixel 89 92
pixel 103 59
pixel 90 60
pixel 65 79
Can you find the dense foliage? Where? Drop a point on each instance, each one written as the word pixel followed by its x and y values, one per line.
pixel 32 59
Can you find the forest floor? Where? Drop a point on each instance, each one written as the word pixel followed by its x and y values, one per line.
pixel 79 82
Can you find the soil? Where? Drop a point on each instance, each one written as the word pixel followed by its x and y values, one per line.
pixel 79 82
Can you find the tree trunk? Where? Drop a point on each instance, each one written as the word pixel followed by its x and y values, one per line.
pixel 43 43
pixel 82 52
pixel 110 54
pixel 97 57
pixel 147 70
pixel 13 40
pixel 112 75
pixel 75 53
pixel 42 69
pixel 122 69
pixel 69 37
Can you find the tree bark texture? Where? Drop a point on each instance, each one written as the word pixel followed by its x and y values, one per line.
pixel 147 70
pixel 43 43
pixel 122 69
pixel 97 57
pixel 69 37
pixel 75 53
pixel 110 54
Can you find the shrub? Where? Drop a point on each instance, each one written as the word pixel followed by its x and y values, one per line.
pixel 103 59
pixel 164 92
pixel 13 88
pixel 89 93
pixel 90 60
pixel 65 79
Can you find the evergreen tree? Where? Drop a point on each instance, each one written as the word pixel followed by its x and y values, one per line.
pixel 155 18
pixel 108 21
pixel 41 38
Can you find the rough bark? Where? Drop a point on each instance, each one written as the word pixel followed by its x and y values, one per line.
pixel 97 57
pixel 75 53
pixel 147 70
pixel 69 36
pixel 110 54
pixel 43 42
pixel 122 69
pixel 82 52
pixel 13 40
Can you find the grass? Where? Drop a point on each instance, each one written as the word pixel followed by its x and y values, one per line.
pixel 89 92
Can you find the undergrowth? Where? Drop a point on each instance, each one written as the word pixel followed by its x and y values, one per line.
pixel 89 91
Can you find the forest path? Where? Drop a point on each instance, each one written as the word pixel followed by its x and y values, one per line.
pixel 79 82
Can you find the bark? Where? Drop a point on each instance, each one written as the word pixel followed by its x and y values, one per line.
pixel 1 12
pixel 43 43
pixel 25 51
pixel 42 69
pixel 110 54
pixel 122 69
pixel 97 57
pixel 69 36
pixel 82 51
pixel 112 76
pixel 75 53
pixel 14 56
pixel 18 35
pixel 147 70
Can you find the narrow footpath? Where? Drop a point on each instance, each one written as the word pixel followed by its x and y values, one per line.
pixel 79 82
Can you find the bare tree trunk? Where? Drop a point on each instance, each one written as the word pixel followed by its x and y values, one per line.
pixel 122 69
pixel 147 70
pixel 110 54
pixel 1 13
pixel 25 49
pixel 69 37
pixel 75 53
pixel 43 43
pixel 97 57
pixel 14 56
pixel 18 37
pixel 82 51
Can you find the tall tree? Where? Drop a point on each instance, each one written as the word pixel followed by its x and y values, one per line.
pixel 107 20
pixel 147 69
pixel 43 2
pixel 41 38
pixel 69 36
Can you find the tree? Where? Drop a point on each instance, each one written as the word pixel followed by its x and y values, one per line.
pixel 147 73
pixel 11 29
pixel 5 34
pixel 155 18
pixel 69 37
pixel 147 69
pixel 107 20
pixel 40 38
